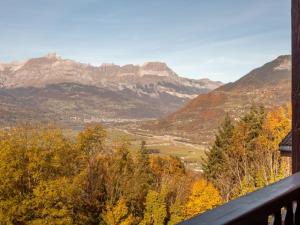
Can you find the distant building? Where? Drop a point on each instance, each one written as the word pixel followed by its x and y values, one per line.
pixel 285 146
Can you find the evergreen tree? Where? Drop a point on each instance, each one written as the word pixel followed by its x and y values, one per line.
pixel 213 164
pixel 253 122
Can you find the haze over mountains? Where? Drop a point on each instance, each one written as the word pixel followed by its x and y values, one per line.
pixel 268 86
pixel 52 88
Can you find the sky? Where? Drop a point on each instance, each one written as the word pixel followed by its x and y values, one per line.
pixel 219 39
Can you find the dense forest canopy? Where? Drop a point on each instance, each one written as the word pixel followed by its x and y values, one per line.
pixel 47 177
pixel 245 155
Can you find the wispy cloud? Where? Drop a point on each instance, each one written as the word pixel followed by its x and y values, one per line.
pixel 217 38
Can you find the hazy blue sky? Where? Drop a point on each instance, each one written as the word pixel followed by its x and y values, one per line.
pixel 219 39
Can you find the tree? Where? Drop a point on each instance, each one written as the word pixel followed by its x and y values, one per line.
pixel 250 158
pixel 143 148
pixel 166 166
pixel 177 213
pixel 91 140
pixel 48 178
pixel 51 203
pixel 137 191
pixel 117 215
pixel 156 208
pixel 216 159
pixel 240 166
pixel 270 166
pixel 33 160
pixel 204 196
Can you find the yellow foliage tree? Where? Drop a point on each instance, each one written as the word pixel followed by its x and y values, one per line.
pixel 47 177
pixel 204 196
pixel 117 215
pixel 92 139
pixel 271 167
pixel 33 164
pixel 51 203
pixel 156 207
pixel 252 159
pixel 176 212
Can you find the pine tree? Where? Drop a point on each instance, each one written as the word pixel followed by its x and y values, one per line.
pixel 253 121
pixel 213 165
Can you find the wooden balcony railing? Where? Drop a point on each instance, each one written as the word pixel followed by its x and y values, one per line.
pixel 275 204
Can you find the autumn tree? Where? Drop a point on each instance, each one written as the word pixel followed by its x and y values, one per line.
pixel 91 142
pixel 204 196
pixel 47 177
pixel 142 173
pixel 251 160
pixel 92 139
pixel 156 208
pixel 270 165
pixel 117 215
pixel 177 212
pixel 33 162
pixel 51 203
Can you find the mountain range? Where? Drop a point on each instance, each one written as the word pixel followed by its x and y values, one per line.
pixel 269 86
pixel 62 90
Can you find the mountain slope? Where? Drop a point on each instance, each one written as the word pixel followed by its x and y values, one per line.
pixel 52 88
pixel 268 85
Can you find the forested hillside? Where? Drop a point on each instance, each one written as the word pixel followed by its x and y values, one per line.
pixel 268 85
pixel 47 177
pixel 245 155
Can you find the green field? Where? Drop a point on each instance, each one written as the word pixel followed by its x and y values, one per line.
pixel 190 154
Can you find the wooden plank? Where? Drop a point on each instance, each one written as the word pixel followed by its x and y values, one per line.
pixel 296 85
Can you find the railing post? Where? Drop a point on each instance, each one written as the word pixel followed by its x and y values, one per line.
pixel 289 214
pixel 296 85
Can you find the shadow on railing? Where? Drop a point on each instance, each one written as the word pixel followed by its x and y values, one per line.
pixel 275 204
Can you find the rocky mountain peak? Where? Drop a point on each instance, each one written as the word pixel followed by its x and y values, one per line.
pixel 157 69
pixel 269 74
pixel 108 65
pixel 53 56
pixel 67 89
pixel 283 62
pixel 52 69
pixel 268 85
pixel 156 66
pixel 2 66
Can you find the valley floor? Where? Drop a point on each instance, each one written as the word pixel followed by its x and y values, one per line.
pixel 191 154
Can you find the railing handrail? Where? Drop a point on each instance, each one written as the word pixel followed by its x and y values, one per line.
pixel 253 208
